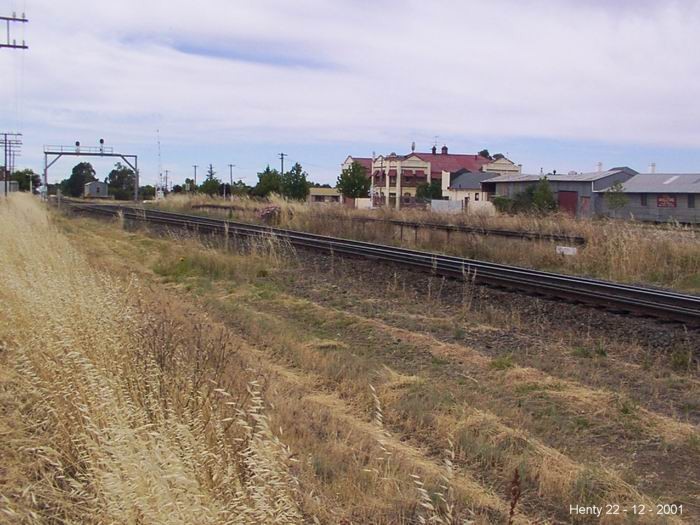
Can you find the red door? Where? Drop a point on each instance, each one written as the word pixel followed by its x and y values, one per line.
pixel 568 201
pixel 585 206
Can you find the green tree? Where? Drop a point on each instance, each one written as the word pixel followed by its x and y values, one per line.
pixel 537 198
pixel 428 191
pixel 485 153
pixel 24 177
pixel 81 174
pixel 353 181
pixel 543 197
pixel 189 185
pixel 121 181
pixel 147 192
pixel 211 184
pixel 239 188
pixel 269 181
pixel 294 183
pixel 502 203
pixel 616 198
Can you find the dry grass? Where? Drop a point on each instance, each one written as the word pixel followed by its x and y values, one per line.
pixel 114 413
pixel 382 424
pixel 615 250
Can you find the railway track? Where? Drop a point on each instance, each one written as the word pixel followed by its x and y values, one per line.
pixel 621 298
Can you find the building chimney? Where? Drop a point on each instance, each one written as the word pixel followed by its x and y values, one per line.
pixel 413 146
pixel 444 150
pixel 653 167
pixel 434 150
pixel 600 167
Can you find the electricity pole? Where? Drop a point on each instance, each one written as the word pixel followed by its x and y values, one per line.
pixel 195 176
pixel 282 156
pixel 13 144
pixel 13 44
pixel 230 174
pixel 166 179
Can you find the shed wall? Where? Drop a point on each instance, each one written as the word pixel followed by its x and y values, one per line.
pixel 652 212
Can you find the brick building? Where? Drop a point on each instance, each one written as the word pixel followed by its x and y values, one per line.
pixel 396 177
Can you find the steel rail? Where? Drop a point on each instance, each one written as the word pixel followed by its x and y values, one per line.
pixel 659 303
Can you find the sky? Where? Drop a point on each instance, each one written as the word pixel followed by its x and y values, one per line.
pixel 552 84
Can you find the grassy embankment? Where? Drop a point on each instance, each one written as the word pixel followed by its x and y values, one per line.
pixel 615 250
pixel 117 408
pixel 390 410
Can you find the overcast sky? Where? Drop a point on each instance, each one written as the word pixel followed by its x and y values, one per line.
pixel 554 84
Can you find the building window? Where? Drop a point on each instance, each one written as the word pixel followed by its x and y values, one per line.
pixel 691 200
pixel 476 196
pixel 644 199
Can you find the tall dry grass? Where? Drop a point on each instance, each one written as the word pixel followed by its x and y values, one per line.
pixel 112 411
pixel 615 250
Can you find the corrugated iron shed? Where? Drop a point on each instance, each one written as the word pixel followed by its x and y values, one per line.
pixel 663 183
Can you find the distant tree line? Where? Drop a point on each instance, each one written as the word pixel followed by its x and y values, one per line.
pixel 293 184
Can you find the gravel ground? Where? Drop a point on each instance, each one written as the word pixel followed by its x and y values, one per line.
pixel 557 318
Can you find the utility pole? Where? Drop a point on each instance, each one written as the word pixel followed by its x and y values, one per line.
pixel 13 43
pixel 230 175
pixel 195 176
pixel 282 156
pixel 12 142
pixel 166 179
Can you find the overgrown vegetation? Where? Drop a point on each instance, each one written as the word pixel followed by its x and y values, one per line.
pixel 615 197
pixel 535 199
pixel 278 381
pixel 427 191
pixel 115 411
pixel 614 250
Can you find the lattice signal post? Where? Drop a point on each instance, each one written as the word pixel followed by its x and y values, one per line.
pixel 53 153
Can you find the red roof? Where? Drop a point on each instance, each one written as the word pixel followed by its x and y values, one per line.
pixel 438 163
pixel 452 162
pixel 364 162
